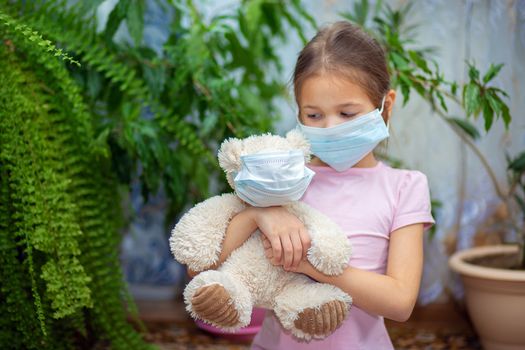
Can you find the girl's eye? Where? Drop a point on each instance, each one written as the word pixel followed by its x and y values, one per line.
pixel 348 115
pixel 314 116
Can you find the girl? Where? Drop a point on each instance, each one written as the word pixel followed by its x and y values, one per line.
pixel 341 87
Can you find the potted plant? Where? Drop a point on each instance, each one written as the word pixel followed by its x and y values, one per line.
pixel 494 275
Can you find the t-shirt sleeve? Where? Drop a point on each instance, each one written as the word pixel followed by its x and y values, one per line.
pixel 413 202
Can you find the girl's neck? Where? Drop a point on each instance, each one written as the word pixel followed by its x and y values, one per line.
pixel 368 161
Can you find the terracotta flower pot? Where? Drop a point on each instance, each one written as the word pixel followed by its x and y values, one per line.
pixel 495 297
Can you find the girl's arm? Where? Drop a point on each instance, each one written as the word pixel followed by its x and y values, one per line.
pixel 241 226
pixel 285 230
pixel 392 295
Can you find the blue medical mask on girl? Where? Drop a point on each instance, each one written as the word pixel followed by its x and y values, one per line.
pixel 272 178
pixel 345 144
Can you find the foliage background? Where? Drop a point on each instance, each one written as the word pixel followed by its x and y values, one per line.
pixel 76 131
pixel 156 113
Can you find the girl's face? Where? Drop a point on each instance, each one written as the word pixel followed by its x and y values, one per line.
pixel 327 100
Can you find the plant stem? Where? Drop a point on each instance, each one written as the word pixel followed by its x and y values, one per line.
pixel 503 196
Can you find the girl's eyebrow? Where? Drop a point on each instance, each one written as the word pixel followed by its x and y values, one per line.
pixel 347 104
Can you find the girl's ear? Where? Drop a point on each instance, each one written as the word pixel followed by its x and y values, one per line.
pixel 298 141
pixel 230 155
pixel 390 99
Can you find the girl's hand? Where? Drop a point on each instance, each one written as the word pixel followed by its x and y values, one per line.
pixel 285 233
pixel 303 267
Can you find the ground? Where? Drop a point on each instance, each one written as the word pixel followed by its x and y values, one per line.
pixel 436 326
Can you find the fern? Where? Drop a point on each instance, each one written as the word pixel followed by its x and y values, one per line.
pixel 60 208
pixel 189 90
pixel 35 37
pixel 80 38
pixel 83 113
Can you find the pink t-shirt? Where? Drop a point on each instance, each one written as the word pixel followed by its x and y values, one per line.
pixel 368 204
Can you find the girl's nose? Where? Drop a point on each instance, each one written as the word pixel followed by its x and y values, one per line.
pixel 331 121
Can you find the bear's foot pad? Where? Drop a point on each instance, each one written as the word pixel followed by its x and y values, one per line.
pixel 213 303
pixel 322 321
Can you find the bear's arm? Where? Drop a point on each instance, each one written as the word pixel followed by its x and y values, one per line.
pixel 196 240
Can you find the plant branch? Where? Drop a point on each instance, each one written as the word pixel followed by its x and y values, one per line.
pixel 501 194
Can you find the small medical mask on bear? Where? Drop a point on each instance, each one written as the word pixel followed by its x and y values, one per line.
pixel 272 178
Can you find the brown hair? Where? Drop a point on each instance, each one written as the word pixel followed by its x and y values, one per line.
pixel 346 49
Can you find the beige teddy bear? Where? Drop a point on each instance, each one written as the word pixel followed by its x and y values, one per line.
pixel 225 297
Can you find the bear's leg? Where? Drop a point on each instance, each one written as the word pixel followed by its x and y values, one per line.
pixel 213 303
pixel 216 298
pixel 311 310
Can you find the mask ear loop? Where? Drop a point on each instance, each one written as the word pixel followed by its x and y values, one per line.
pixel 382 104
pixel 381 112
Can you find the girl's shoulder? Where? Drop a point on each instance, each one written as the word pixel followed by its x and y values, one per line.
pixel 411 198
pixel 405 178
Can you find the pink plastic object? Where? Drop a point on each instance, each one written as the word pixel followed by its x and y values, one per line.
pixel 243 334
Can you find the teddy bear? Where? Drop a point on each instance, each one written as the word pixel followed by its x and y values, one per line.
pixel 225 297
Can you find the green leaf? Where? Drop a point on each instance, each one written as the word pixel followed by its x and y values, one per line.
pixel 488 115
pixel 135 20
pixel 115 18
pixel 498 106
pixel 466 126
pixel 454 88
pixel 505 114
pixel 494 101
pixel 419 60
pixel 209 123
pixel 300 8
pixel 360 12
pixel 253 16
pixel 295 24
pixel 156 78
pixel 518 164
pixel 492 72
pixel 471 100
pixel 504 93
pixel 94 83
pixel 420 89
pixel 87 6
pixel 441 101
pixel 405 84
pixel 400 62
pixel 473 72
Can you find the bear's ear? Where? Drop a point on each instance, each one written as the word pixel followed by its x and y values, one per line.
pixel 230 155
pixel 297 140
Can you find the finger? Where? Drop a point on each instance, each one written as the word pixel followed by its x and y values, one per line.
pixel 291 269
pixel 266 243
pixel 297 249
pixel 276 247
pixel 287 250
pixel 268 252
pixel 305 240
